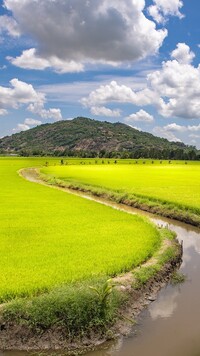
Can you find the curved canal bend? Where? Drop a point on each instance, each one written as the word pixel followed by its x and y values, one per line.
pixel 170 325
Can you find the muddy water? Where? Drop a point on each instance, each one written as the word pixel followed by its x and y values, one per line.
pixel 169 326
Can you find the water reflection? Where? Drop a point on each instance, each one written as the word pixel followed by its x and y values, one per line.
pixel 165 305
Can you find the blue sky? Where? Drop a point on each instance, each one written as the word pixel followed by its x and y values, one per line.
pixel 132 61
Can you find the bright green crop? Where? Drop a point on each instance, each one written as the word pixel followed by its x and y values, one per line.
pixel 49 237
pixel 177 182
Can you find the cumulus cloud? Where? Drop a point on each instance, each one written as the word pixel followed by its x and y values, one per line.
pixel 20 93
pixel 140 116
pixel 32 122
pixel 9 25
pixel 178 84
pixel 175 128
pixel 179 128
pixel 164 8
pixel 38 108
pixel 183 54
pixel 27 125
pixel 21 127
pixel 135 127
pixel 3 112
pixel 29 59
pixel 174 90
pixel 114 92
pixel 103 111
pixel 161 132
pixel 109 93
pixel 172 130
pixel 120 29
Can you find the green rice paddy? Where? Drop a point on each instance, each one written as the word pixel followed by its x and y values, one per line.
pixel 169 182
pixel 49 238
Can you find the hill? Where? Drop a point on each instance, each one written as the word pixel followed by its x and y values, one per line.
pixel 85 137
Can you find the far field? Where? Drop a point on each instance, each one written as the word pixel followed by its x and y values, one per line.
pixel 173 182
pixel 49 238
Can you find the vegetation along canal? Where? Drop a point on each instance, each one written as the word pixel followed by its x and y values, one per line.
pixel 170 324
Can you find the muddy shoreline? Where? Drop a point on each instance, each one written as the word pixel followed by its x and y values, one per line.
pixel 21 337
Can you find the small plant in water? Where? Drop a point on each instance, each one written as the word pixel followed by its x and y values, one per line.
pixel 177 278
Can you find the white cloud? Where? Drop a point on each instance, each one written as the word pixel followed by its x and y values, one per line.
pixel 183 54
pixel 135 127
pixel 114 92
pixel 27 125
pixel 175 128
pixel 140 116
pixel 21 127
pixel 120 29
pixel 53 113
pixel 161 132
pixel 174 90
pixel 3 112
pixel 30 60
pixel 170 131
pixel 32 122
pixel 109 93
pixel 178 85
pixel 103 111
pixel 178 128
pixel 164 8
pixel 20 93
pixel 9 25
pixel 155 13
pixel 194 136
pixel 194 128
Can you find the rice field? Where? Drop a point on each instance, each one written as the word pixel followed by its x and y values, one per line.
pixel 49 238
pixel 175 182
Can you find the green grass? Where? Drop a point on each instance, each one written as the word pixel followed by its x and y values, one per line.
pixel 49 238
pixel 178 278
pixel 74 308
pixel 144 273
pixel 176 183
pixel 89 307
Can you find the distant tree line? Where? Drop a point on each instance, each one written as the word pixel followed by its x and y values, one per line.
pixel 189 153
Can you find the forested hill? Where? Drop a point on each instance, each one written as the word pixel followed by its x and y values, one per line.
pixel 84 137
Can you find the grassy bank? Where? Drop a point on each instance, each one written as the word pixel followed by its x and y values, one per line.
pixel 171 190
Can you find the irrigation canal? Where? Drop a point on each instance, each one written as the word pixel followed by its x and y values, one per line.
pixel 170 325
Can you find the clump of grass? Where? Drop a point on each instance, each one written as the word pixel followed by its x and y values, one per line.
pixel 104 293
pixel 178 278
pixel 143 275
pixel 74 308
